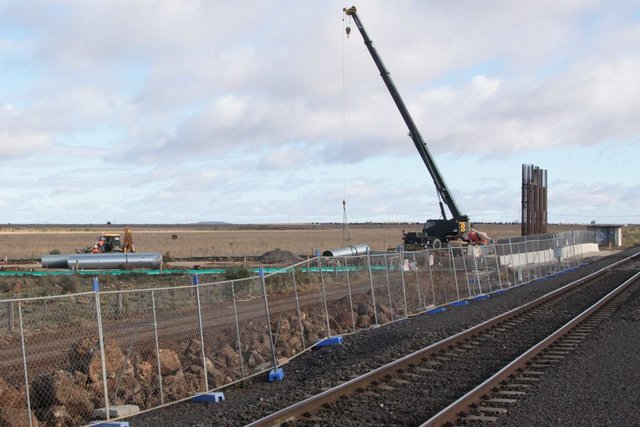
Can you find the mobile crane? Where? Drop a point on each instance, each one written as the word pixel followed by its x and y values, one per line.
pixel 435 232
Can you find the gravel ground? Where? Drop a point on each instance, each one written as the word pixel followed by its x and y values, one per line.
pixel 360 353
pixel 425 394
pixel 597 385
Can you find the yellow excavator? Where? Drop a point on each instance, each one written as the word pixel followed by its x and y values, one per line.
pixel 113 242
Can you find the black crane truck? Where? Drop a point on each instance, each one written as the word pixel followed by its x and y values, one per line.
pixel 435 232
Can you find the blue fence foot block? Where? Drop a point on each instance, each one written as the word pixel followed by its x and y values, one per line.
pixel 329 341
pixel 501 291
pixel 436 310
pixel 213 397
pixel 276 375
pixel 480 297
pixel 114 424
pixel 459 303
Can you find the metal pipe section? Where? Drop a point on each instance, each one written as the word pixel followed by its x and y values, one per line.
pixel 117 260
pixel 55 261
pixel 348 251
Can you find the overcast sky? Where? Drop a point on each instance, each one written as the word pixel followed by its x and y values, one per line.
pixel 143 111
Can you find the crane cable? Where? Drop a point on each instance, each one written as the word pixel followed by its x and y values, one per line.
pixel 346 237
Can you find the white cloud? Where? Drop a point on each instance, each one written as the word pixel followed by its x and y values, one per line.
pixel 18 145
pixel 213 99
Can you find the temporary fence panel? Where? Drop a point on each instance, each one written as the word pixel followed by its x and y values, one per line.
pixel 411 281
pixel 179 323
pixel 285 310
pixel 62 355
pixel 253 334
pixel 14 374
pixel 129 329
pixel 340 301
pixel 395 285
pixel 359 284
pixel 383 306
pixel 218 358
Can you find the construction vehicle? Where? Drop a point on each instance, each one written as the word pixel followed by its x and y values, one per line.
pixel 112 242
pixel 435 232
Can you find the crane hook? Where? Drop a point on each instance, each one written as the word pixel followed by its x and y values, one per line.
pixel 348 30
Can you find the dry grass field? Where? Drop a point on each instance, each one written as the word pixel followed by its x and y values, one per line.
pixel 185 241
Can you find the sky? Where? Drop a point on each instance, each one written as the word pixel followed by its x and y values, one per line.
pixel 264 111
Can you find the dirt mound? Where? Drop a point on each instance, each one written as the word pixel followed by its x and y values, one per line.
pixel 278 256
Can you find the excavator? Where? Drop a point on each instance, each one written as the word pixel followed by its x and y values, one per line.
pixel 112 242
pixel 436 232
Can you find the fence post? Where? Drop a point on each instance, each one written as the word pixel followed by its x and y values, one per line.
pixel 548 256
pixel 452 262
pixel 346 269
pixel 421 303
pixel 196 281
pixel 465 253
pixel 266 309
pixel 513 267
pixel 105 389
pixel 486 266
pixel 324 292
pixel 444 276
pixel 475 264
pixel 495 251
pixel 538 257
pixel 155 333
pixel 24 362
pixel 235 313
pixel 429 258
pixel 373 294
pixel 404 291
pixel 295 290
pixel 386 270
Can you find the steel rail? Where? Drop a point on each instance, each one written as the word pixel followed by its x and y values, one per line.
pixel 313 403
pixel 450 413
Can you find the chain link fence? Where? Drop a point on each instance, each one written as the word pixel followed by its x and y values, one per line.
pixel 68 360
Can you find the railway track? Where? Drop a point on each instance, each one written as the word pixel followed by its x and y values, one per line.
pixel 471 376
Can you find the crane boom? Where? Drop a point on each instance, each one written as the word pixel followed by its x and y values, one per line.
pixel 440 229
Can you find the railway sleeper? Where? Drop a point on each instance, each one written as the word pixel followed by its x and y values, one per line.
pixel 399 381
pixel 385 387
pixel 565 346
pixel 500 401
pixel 558 352
pixel 481 418
pixel 516 386
pixel 491 409
pixel 424 370
pixel 535 373
pixel 551 359
pixel 538 366
pixel 509 393
pixel 570 339
pixel 411 375
pixel 526 379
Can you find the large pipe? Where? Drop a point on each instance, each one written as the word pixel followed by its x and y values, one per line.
pixel 348 251
pixel 55 261
pixel 114 260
